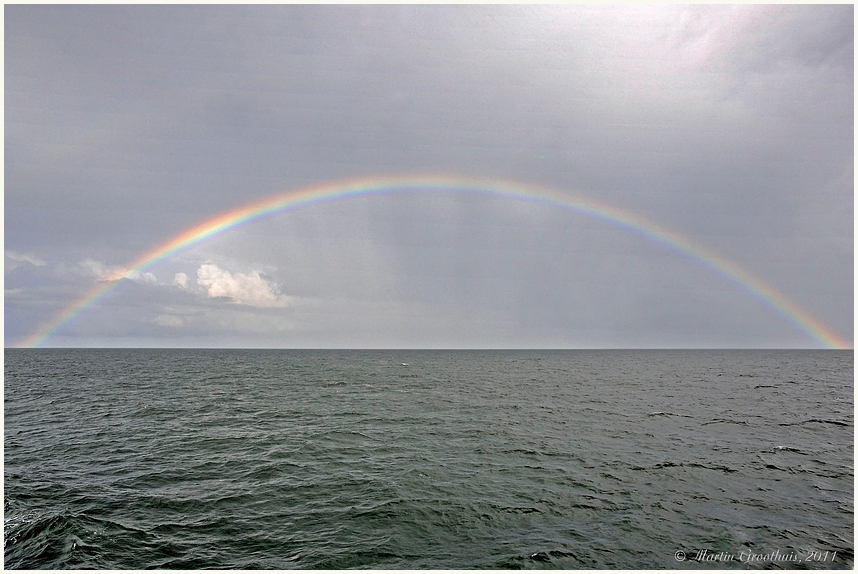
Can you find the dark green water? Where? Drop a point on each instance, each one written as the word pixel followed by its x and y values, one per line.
pixel 428 459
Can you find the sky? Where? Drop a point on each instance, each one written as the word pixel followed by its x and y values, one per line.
pixel 730 127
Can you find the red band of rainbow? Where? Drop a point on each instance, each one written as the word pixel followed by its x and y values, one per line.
pixel 380 185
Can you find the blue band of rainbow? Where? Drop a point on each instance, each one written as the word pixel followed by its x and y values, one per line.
pixel 383 185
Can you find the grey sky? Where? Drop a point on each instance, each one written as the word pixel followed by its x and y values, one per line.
pixel 730 125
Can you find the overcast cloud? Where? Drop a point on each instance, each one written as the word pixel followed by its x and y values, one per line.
pixel 730 125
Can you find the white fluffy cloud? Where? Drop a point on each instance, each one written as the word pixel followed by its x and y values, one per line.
pixel 249 289
pixel 14 259
pixel 104 272
pixel 181 279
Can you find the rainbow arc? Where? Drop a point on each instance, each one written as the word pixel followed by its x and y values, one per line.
pixel 342 190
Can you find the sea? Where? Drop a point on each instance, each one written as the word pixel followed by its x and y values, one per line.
pixel 428 459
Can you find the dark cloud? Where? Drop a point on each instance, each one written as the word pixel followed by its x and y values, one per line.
pixel 731 125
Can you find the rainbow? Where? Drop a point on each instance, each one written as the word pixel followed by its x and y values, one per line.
pixel 320 193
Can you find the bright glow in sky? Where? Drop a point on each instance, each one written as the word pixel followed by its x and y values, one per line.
pixel 730 126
